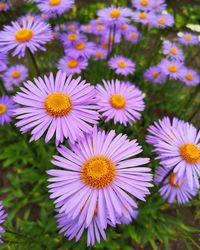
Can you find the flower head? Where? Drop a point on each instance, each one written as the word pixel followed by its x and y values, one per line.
pixel 99 53
pixel 69 39
pixel 146 18
pixel 155 75
pixel 164 20
pixel 173 51
pixel 172 68
pixel 190 77
pixel 188 39
pixel 5 5
pixel 61 106
pixel 3 216
pixel 31 35
pixel 7 107
pixel 122 65
pixel 144 5
pixel 132 35
pixel 120 101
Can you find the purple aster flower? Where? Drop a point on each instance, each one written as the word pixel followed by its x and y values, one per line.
pixel 177 144
pixel 155 75
pixel 72 27
pixel 144 5
pixel 158 6
pixel 80 48
pixel 72 65
pixel 190 77
pixel 31 34
pixel 98 29
pixel 132 35
pixel 30 17
pixel 173 51
pixel 172 68
pixel 55 7
pixel 146 18
pixel 98 178
pixel 114 15
pixel 7 107
pixel 163 21
pixel 173 189
pixel 120 101
pixel 111 38
pixel 3 216
pixel 61 106
pixel 14 75
pixel 86 28
pixel 122 65
pixel 3 62
pixel 188 39
pixel 99 53
pixel 5 5
pixel 71 38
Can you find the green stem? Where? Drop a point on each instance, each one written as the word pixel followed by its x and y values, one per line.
pixel 34 62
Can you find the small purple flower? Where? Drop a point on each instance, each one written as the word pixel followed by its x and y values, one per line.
pixel 61 106
pixel 144 5
pixel 188 39
pixel 7 107
pixel 174 189
pixel 31 34
pixel 86 28
pixel 5 5
pixel 163 21
pixel 72 65
pixel 173 51
pixel 146 18
pixel 177 144
pixel 158 6
pixel 80 48
pixel 72 27
pixel 3 216
pixel 99 53
pixel 190 77
pixel 132 35
pixel 111 38
pixel 172 68
pixel 98 29
pixel 155 75
pixel 3 62
pixel 122 65
pixel 14 75
pixel 70 39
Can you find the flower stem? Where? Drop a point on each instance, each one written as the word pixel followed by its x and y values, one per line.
pixel 34 61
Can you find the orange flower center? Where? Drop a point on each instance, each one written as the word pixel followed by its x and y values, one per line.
pixel 99 54
pixel 172 180
pixel 124 26
pixel 173 68
pixel 133 35
pixel 80 46
pixel 189 77
pixel 143 15
pixel 188 37
pixel 144 2
pixel 54 2
pixel 115 13
pixel 72 63
pixel 16 74
pixel 173 51
pixel 71 28
pixel 72 37
pixel 117 101
pixel 122 64
pixel 98 171
pixel 58 104
pixel 155 74
pixel 2 6
pixel 23 35
pixel 161 20
pixel 3 109
pixel 105 45
pixel 190 153
pixel 99 27
pixel 88 27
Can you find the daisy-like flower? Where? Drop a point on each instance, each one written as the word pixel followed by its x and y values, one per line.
pixel 30 17
pixel 7 107
pixel 72 65
pixel 14 75
pixel 158 6
pixel 190 77
pixel 172 189
pixel 163 20
pixel 72 27
pixel 80 48
pixel 99 53
pixel 144 5
pixel 5 5
pixel 98 29
pixel 172 68
pixel 173 51
pixel 3 216
pixel 114 15
pixel 3 62
pixel 86 28
pixel 122 65
pixel 146 18
pixel 188 39
pixel 111 38
pixel 120 101
pixel 55 7
pixel 97 177
pixel 71 38
pixel 31 34
pixel 155 75
pixel 132 35
pixel 61 106
pixel 177 144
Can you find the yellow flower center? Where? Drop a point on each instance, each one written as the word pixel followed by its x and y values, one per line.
pixel 88 27
pixel 3 109
pixel 72 37
pixel 71 28
pixel 97 21
pixel 99 27
pixel 23 35
pixel 133 35
pixel 105 45
pixel 80 46
pixel 173 51
pixel 188 37
pixel 99 54
pixel 2 6
pixel 54 2
pixel 144 2
pixel 122 64
pixel 172 180
pixel 72 63
pixel 115 13
pixel 58 104
pixel 117 101
pixel 161 20
pixel 190 153
pixel 143 15
pixel 173 68
pixel 155 74
pixel 189 77
pixel 124 26
pixel 16 74
pixel 98 171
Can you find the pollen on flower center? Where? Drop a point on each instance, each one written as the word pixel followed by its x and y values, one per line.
pixel 16 74
pixel 72 63
pixel 188 37
pixel 124 26
pixel 99 54
pixel 58 104
pixel 3 109
pixel 72 37
pixel 190 153
pixel 98 171
pixel 173 68
pixel 87 27
pixel 189 77
pixel 23 35
pixel 54 2
pixel 105 45
pixel 99 27
pixel 155 74
pixel 161 20
pixel 173 51
pixel 2 6
pixel 144 2
pixel 172 180
pixel 80 46
pixel 133 35
pixel 143 15
pixel 115 13
pixel 122 64
pixel 117 101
